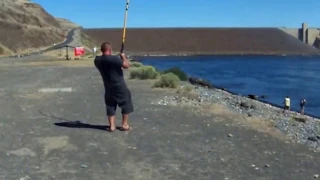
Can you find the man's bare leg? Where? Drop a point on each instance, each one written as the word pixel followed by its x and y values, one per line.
pixel 125 119
pixel 112 120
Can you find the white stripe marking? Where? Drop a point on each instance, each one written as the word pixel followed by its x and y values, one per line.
pixel 49 90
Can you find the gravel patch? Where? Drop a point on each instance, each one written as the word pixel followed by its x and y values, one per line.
pixel 300 128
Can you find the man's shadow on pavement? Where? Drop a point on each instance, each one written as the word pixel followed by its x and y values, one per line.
pixel 75 124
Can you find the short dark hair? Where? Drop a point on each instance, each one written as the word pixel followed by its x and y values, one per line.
pixel 105 46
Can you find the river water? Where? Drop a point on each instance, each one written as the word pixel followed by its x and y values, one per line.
pixel 273 76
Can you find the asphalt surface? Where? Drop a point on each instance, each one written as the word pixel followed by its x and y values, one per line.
pixel 61 135
pixel 68 40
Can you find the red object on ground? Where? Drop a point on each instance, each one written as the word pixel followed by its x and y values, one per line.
pixel 78 51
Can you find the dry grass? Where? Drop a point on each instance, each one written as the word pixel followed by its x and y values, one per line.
pixel 87 41
pixel 4 50
pixel 55 53
pixel 240 120
pixel 19 38
pixel 66 24
pixel 188 92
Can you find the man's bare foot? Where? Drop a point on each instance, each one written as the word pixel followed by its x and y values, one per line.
pixel 111 129
pixel 125 128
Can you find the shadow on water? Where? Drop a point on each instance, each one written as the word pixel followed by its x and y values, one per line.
pixel 76 123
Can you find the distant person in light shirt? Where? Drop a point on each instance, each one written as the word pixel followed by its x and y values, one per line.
pixel 94 51
pixel 286 104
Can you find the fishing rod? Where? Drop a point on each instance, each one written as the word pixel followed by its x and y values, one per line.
pixel 124 26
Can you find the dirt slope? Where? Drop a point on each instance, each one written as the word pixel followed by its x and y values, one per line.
pixel 66 24
pixel 204 41
pixel 27 26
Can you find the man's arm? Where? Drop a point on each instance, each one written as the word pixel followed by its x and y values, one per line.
pixel 121 62
pixel 125 61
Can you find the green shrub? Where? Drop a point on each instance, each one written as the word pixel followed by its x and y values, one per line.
pixel 144 72
pixel 136 64
pixel 168 80
pixel 185 89
pixel 135 73
pixel 177 71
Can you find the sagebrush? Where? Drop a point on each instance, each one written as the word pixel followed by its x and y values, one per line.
pixel 177 71
pixel 168 80
pixel 144 72
pixel 136 64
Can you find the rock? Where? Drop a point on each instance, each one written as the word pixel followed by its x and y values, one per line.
pixel 83 166
pixel 24 178
pixel 267 165
pixel 201 82
pixel 300 119
pixel 316 176
pixel 253 107
pixel 313 138
pixel 230 135
pixel 245 105
pixel 251 96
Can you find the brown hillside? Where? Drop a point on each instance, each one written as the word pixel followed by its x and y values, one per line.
pixel 204 41
pixel 25 26
pixel 66 24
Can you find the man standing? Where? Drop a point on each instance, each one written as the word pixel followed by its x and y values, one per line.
pixel 286 104
pixel 116 90
pixel 302 105
pixel 94 51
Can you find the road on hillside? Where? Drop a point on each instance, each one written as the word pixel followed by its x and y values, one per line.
pixel 68 40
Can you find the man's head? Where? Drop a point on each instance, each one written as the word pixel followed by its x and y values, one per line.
pixel 106 48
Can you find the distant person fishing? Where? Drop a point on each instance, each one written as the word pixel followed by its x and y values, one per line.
pixel 116 90
pixel 302 105
pixel 286 103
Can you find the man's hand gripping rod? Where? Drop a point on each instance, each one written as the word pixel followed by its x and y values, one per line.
pixel 124 26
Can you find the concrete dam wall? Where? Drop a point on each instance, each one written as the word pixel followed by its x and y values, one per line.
pixel 214 41
pixel 307 35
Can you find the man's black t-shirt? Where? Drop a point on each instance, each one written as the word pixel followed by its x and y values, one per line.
pixel 110 68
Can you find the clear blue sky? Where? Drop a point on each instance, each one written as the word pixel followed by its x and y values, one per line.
pixel 187 13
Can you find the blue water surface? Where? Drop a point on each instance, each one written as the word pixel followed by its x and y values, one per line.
pixel 274 76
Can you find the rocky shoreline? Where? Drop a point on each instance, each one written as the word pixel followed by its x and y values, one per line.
pixel 138 56
pixel 300 128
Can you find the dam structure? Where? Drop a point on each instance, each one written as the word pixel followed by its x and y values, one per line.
pixel 212 41
pixel 308 35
